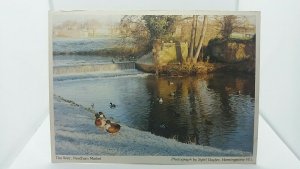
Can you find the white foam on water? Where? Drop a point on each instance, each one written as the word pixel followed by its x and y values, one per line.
pixel 100 75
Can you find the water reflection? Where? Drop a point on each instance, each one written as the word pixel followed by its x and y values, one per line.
pixel 214 110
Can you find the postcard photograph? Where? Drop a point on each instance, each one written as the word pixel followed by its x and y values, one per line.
pixel 160 87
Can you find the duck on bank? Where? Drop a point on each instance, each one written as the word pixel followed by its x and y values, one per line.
pixel 100 119
pixel 112 127
pixel 102 122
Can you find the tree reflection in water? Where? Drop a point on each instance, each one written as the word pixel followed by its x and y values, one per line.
pixel 212 110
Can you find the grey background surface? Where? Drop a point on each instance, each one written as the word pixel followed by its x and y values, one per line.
pixel 24 62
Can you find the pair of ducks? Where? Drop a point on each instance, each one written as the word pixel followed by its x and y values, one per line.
pixel 102 122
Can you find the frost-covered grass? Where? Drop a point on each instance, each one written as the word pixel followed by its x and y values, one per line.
pixel 76 134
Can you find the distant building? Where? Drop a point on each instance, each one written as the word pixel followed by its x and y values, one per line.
pixel 244 32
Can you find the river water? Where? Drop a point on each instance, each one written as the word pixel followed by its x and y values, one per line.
pixel 214 110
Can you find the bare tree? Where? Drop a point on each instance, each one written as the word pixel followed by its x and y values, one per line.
pixel 201 39
pixel 192 40
pixel 196 31
pixel 229 24
pixel 134 32
pixel 194 54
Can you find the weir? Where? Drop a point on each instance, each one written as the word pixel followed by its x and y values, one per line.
pixel 57 70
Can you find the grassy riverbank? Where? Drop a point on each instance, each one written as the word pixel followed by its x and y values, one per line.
pixel 247 66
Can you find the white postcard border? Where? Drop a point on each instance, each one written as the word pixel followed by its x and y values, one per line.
pixel 155 159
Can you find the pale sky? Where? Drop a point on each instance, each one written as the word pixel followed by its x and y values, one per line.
pixel 104 19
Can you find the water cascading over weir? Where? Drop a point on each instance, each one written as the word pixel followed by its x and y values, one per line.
pixel 57 70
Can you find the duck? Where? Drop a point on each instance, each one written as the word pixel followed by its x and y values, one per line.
pixel 97 115
pixel 101 115
pixel 111 105
pixel 170 83
pixel 100 120
pixel 162 126
pixel 112 127
pixel 160 101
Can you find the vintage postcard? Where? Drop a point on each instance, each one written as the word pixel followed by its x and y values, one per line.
pixel 154 87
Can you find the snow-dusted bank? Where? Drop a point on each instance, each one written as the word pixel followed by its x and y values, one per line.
pixel 76 134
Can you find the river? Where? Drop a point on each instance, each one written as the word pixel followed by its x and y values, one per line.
pixel 214 110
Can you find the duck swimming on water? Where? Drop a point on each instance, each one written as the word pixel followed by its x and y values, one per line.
pixel 170 83
pixel 160 101
pixel 111 105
